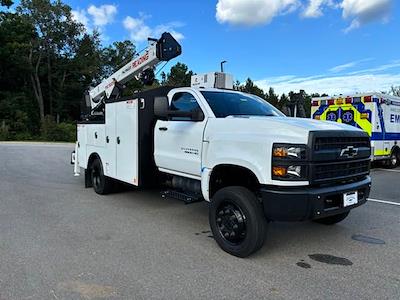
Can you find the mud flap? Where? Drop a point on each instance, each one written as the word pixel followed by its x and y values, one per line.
pixel 88 179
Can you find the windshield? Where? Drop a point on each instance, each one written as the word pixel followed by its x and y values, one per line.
pixel 225 104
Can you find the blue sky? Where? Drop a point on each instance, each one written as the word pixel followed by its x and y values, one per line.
pixel 334 46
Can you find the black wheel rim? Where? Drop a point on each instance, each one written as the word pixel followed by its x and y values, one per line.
pixel 231 223
pixel 96 178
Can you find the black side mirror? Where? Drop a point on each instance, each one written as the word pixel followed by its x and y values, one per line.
pixel 161 106
pixel 192 116
pixel 197 115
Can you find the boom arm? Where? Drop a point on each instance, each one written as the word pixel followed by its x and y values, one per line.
pixel 164 49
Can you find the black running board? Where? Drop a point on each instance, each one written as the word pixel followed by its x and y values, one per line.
pixel 186 198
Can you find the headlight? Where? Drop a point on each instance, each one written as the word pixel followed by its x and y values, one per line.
pixel 289 162
pixel 289 151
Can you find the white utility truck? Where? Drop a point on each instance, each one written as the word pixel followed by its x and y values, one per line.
pixel 376 113
pixel 232 149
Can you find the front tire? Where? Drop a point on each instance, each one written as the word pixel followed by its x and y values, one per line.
pixel 332 219
pixel 237 221
pixel 102 185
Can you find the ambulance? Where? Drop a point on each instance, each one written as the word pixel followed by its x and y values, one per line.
pixel 376 113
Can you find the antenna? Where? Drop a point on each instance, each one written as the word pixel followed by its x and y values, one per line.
pixel 222 65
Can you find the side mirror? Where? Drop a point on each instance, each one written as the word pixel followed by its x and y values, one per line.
pixel 197 115
pixel 161 106
pixel 193 116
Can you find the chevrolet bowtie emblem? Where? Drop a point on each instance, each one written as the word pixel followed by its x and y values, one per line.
pixel 349 152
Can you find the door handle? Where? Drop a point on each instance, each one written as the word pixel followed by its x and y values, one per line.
pixel 163 128
pixel 107 139
pixel 118 140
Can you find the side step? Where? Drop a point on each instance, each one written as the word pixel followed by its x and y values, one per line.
pixel 186 198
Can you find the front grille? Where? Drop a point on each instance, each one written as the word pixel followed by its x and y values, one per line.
pixel 330 159
pixel 340 171
pixel 328 143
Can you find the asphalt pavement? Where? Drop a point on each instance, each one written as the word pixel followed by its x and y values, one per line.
pixel 59 240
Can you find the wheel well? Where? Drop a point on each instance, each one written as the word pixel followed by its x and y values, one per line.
pixel 88 176
pixel 92 157
pixel 396 149
pixel 231 175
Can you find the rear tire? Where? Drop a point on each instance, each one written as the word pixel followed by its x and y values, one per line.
pixel 393 161
pixel 237 221
pixel 332 219
pixel 102 184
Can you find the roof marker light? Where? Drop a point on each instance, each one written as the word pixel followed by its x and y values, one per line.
pixel 367 99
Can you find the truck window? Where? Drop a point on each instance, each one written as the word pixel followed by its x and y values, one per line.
pixel 184 102
pixel 225 104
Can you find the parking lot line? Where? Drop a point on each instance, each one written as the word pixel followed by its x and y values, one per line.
pixel 384 201
pixel 389 170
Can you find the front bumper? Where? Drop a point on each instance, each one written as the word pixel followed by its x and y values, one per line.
pixel 309 203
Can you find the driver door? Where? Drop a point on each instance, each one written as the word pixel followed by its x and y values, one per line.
pixel 178 141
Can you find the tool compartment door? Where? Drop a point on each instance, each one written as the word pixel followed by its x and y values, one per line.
pixel 126 141
pixel 110 164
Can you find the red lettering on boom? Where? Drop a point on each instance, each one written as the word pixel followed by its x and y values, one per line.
pixel 140 60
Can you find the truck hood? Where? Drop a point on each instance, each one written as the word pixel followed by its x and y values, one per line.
pixel 279 129
pixel 307 124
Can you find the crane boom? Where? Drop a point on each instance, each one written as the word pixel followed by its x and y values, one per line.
pixel 164 49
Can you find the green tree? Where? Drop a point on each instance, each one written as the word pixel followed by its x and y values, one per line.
pixel 272 98
pixel 179 76
pixel 116 56
pixel 251 88
pixel 236 85
pixel 7 3
pixel 55 40
pixel 15 94
pixel 395 91
pixel 283 104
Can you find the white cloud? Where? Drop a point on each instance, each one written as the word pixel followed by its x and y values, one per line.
pixel 315 8
pixel 140 31
pixel 362 12
pixel 334 85
pixel 367 80
pixel 385 67
pixel 256 12
pixel 96 17
pixel 80 17
pixel 349 65
pixel 103 14
pixel 253 12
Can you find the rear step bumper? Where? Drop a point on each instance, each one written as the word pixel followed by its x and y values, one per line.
pixel 309 203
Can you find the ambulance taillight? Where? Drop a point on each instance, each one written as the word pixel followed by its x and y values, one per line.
pixel 315 103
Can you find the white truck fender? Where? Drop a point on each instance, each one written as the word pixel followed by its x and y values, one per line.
pixel 205 183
